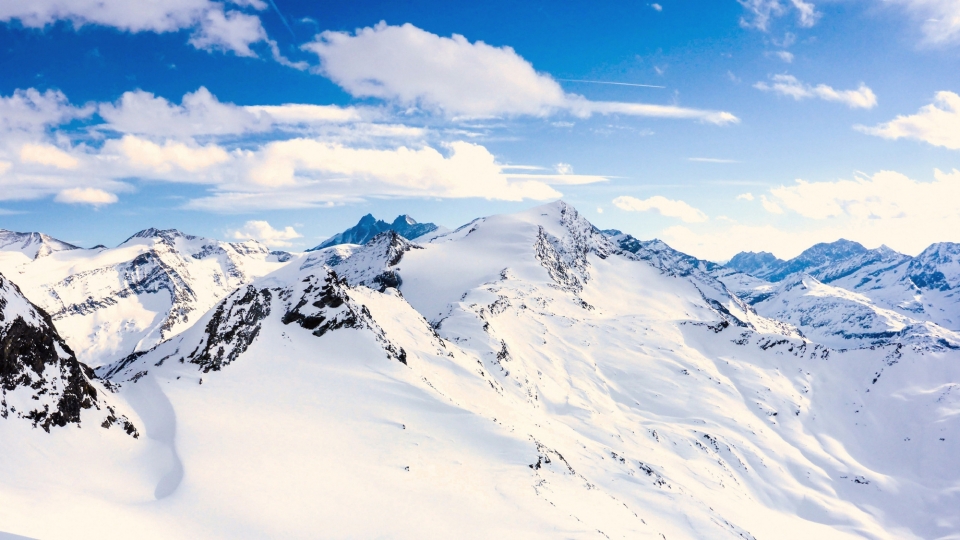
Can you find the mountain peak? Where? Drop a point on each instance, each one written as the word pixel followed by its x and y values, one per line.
pixel 368 227
pixel 32 244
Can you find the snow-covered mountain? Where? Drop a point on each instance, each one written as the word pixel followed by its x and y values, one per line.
pixel 827 262
pixel 31 245
pixel 41 381
pixel 525 376
pixel 108 303
pixel 369 227
pixel 920 289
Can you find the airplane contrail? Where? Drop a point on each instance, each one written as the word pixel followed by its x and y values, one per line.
pixel 282 18
pixel 615 83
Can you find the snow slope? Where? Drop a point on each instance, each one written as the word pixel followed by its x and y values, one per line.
pixel 530 378
pixel 108 303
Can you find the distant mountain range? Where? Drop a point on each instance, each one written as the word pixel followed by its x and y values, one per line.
pixel 369 226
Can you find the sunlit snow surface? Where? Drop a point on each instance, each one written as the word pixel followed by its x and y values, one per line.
pixel 528 380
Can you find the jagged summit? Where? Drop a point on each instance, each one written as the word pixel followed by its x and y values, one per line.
pixel 168 235
pixel 827 261
pixel 32 244
pixel 755 264
pixel 369 226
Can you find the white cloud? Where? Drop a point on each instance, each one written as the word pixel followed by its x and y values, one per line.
pixel 886 208
pixel 214 27
pixel 745 197
pixel 415 68
pixel 297 113
pixel 261 231
pixel 770 206
pixel 788 85
pixel 337 155
pixel 657 7
pixel 163 158
pixel 786 56
pixel 761 12
pixel 91 196
pixel 937 124
pixel 229 31
pixel 563 168
pixel 201 113
pixel 886 195
pixel 664 206
pixel 31 110
pixel 48 155
pixel 940 19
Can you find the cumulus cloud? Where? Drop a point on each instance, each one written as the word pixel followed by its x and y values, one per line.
pixel 147 137
pixel 261 231
pixel 762 12
pixel 32 111
pixel 201 113
pixel 886 208
pixel 415 68
pixel 788 85
pixel 664 206
pixel 214 26
pixel 145 154
pixel 770 206
pixel 937 124
pixel 91 196
pixel 745 197
pixel 48 155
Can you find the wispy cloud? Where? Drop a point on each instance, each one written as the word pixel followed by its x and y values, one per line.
pixel 762 12
pixel 788 85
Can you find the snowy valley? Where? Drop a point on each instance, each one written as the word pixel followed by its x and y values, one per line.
pixel 522 376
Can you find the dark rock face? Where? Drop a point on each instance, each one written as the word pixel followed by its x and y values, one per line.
pixel 368 227
pixel 234 326
pixel 926 270
pixel 38 368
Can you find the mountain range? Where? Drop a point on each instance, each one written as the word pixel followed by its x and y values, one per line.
pixel 522 376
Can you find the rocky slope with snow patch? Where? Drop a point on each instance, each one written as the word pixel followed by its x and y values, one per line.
pixel 40 378
pixel 108 303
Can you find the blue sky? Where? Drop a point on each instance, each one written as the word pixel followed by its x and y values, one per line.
pixel 764 124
